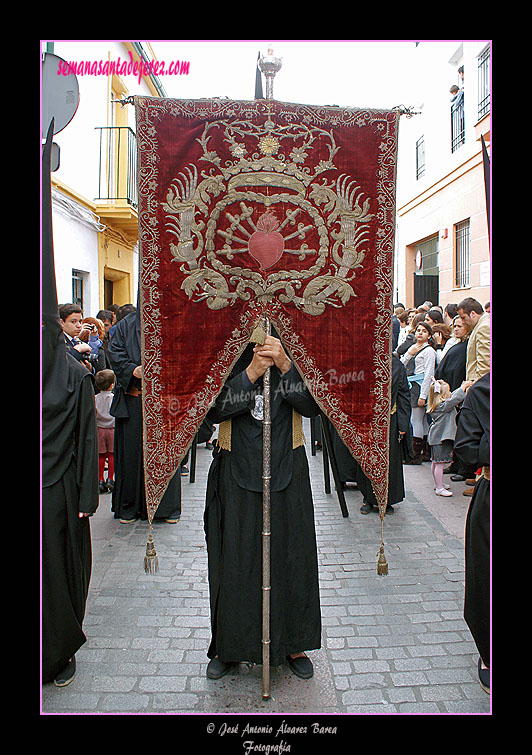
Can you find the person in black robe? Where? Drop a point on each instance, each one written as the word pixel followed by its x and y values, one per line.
pixel 129 496
pixel 346 464
pixel 472 446
pixel 452 368
pixel 69 496
pixel 69 476
pixel 233 519
pixel 400 444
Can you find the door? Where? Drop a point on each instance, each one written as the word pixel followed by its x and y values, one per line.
pixel 427 272
pixel 426 288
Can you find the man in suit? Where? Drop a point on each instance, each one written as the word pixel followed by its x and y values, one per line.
pixel 478 345
pixel 71 319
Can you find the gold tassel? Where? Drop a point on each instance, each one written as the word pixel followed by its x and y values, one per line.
pixel 382 563
pixel 258 335
pixel 151 562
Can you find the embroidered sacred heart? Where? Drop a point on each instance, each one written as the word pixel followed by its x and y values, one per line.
pixel 266 244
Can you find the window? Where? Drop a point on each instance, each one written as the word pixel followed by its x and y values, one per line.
pixel 484 83
pixel 427 257
pixel 457 122
pixel 461 236
pixel 420 157
pixel 77 288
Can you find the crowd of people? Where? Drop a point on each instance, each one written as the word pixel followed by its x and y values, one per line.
pixel 444 351
pixel 446 354
pixel 440 357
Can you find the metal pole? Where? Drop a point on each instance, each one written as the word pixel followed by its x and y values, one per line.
pixel 269 65
pixel 266 530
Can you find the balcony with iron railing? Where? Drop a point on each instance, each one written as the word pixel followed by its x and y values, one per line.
pixel 117 176
pixel 457 122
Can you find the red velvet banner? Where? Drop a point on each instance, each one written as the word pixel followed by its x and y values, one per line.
pixel 268 207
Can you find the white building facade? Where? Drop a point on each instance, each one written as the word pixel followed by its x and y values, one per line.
pixel 442 241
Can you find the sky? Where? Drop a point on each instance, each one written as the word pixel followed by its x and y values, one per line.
pixel 365 73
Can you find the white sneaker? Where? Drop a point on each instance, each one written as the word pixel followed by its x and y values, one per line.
pixel 447 487
pixel 443 491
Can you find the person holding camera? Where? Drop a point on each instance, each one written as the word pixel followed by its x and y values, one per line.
pixel 93 333
pixel 419 361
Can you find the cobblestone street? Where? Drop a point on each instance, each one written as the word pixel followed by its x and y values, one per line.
pixel 390 645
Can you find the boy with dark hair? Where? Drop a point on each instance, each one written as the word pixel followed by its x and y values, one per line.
pixel 71 319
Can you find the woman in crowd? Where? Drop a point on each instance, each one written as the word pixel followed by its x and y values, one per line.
pixel 443 339
pixel 419 361
pixel 451 367
pixel 410 337
pixel 434 317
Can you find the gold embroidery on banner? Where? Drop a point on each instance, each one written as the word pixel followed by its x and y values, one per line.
pixel 341 226
pixel 187 213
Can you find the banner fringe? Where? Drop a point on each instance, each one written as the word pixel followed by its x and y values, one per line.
pixel 382 562
pixel 151 561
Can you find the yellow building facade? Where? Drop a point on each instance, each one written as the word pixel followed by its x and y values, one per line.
pixel 97 176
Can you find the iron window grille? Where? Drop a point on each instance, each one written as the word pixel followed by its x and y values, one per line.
pixel 484 83
pixel 462 253
pixel 457 122
pixel 117 164
pixel 77 288
pixel 420 157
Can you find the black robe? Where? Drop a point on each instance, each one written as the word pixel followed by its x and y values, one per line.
pixel 69 467
pixel 233 526
pixel 129 495
pixel 472 446
pixel 452 367
pixel 69 486
pixel 400 450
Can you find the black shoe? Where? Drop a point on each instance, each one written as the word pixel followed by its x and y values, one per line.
pixel 65 676
pixel 301 666
pixel 184 470
pixel 217 668
pixel 458 478
pixel 366 508
pixel 484 677
pixel 389 509
pixel 110 485
pixel 102 487
pixel 209 446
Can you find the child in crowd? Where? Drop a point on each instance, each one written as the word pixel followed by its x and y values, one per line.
pixel 105 382
pixel 441 406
